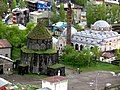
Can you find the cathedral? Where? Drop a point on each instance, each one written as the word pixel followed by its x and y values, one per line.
pixel 38 54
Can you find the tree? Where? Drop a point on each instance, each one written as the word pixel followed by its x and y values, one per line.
pixel 22 3
pixel 79 59
pixel 62 13
pixel 87 56
pixel 5 1
pixel 54 8
pixel 79 28
pixel 117 52
pixel 96 53
pixel 101 12
pixel 13 4
pixel 95 13
pixel 114 13
pixel 29 26
pixel 3 8
pixel 81 2
pixel 54 16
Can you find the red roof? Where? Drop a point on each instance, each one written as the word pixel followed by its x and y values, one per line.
pixel 55 79
pixel 4 43
pixel 108 54
pixel 3 88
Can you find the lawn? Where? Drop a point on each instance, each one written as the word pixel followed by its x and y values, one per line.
pixel 102 66
pixel 99 66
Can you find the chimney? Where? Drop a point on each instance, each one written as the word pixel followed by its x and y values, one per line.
pixel 69 22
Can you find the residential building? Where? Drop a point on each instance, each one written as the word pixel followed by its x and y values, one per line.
pixel 38 14
pixel 55 83
pixel 20 16
pixel 32 5
pixel 39 5
pixel 59 27
pixel 76 9
pixel 5 48
pixel 6 65
pixel 112 1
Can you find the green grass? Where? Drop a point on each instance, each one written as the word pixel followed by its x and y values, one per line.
pixel 49 51
pixel 56 66
pixel 36 75
pixel 15 53
pixel 102 66
pixel 99 66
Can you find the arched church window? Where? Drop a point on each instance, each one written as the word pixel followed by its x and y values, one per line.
pixel 81 47
pixel 71 44
pixel 76 46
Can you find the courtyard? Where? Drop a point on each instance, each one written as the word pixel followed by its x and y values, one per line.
pixel 89 80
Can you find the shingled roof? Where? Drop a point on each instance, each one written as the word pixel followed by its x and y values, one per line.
pixel 4 43
pixel 39 32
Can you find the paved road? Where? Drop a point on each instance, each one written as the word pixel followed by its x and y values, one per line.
pixel 82 81
pixel 90 80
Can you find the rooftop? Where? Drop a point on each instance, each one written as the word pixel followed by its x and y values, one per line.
pixel 39 32
pixel 101 23
pixel 4 43
pixel 54 79
pixel 56 66
pixel 49 51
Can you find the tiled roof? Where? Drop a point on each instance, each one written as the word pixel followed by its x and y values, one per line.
pixel 4 43
pixel 108 55
pixel 55 79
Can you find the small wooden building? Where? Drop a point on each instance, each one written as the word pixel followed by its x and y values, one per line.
pixel 5 48
pixel 6 65
pixel 56 69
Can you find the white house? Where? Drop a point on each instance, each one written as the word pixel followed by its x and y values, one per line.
pixel 37 14
pixel 107 57
pixel 76 9
pixel 55 83
pixel 5 48
pixel 61 43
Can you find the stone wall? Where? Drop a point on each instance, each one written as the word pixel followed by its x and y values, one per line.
pixel 40 44
pixel 7 66
pixel 38 63
pixel 54 71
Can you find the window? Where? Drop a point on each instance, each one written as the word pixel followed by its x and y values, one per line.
pixel 6 55
pixel 60 44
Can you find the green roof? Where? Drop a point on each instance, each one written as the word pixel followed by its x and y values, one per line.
pixel 23 65
pixel 56 66
pixel 39 32
pixel 49 51
pixel 116 25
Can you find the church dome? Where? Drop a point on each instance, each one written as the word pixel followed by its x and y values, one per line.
pixel 101 25
pixel 73 31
